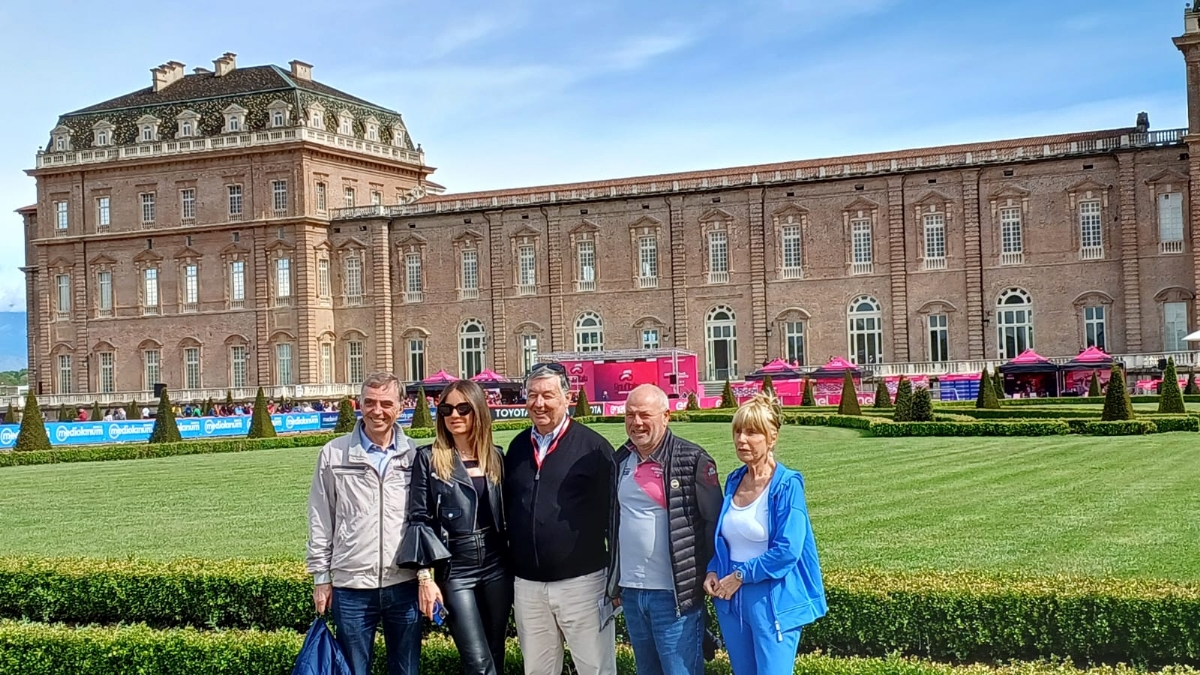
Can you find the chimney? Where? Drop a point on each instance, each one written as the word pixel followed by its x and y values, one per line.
pixel 1143 122
pixel 226 64
pixel 167 74
pixel 301 70
pixel 201 71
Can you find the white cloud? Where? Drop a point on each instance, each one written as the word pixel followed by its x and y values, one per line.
pixel 12 291
pixel 641 51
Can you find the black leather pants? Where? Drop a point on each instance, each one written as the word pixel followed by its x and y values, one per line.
pixel 478 592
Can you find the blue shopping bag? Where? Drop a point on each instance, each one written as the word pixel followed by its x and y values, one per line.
pixel 320 654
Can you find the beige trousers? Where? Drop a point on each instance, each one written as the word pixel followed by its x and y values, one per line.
pixel 546 613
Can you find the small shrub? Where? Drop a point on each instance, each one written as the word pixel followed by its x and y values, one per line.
pixel 922 405
pixel 998 385
pixel 165 428
pixel 97 414
pixel 1170 400
pixel 132 411
pixel 1119 428
pixel 67 413
pixel 849 404
pixel 808 400
pixel 693 403
pixel 346 417
pixel 421 418
pixel 1094 390
pixel 727 399
pixel 904 401
pixel 1192 389
pixel 768 386
pixel 32 436
pixel 229 398
pixel 985 390
pixel 260 419
pixel 10 415
pixel 883 398
pixel 1116 401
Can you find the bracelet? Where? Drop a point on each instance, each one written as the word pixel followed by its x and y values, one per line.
pixel 424 576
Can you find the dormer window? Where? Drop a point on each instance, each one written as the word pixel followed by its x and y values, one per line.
pixel 399 137
pixel 345 123
pixel 278 113
pixel 316 116
pixel 189 124
pixel 102 133
pixel 235 119
pixel 372 129
pixel 60 138
pixel 60 143
pixel 101 138
pixel 147 128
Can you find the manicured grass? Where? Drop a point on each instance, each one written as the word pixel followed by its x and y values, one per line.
pixel 1074 504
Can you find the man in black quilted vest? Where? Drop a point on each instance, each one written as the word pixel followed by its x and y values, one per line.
pixel 666 498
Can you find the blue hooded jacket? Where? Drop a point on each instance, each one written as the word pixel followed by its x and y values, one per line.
pixel 790 566
pixel 320 654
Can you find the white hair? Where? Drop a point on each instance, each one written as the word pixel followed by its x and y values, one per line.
pixel 654 393
pixel 547 374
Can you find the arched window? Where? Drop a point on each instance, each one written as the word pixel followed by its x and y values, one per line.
pixel 589 333
pixel 720 330
pixel 1014 323
pixel 472 337
pixel 865 328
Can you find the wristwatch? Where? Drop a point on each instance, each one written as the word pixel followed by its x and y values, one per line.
pixel 737 574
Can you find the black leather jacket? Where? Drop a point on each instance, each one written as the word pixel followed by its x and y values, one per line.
pixel 440 512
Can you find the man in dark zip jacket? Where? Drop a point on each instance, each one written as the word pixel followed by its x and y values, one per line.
pixel 556 498
pixel 666 499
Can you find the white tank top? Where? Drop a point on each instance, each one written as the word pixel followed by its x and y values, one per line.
pixel 745 529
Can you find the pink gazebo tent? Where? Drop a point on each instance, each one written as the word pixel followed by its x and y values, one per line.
pixel 440 377
pixel 1077 373
pixel 490 379
pixel 1091 358
pixel 777 369
pixel 836 370
pixel 1030 374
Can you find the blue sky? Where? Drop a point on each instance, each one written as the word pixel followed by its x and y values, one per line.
pixel 509 93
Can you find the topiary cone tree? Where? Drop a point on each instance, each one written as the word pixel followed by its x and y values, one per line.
pixel 32 435
pixel 807 400
pixel 97 415
pixel 727 399
pixel 67 413
pixel 229 398
pixel 346 417
pixel 1191 389
pixel 165 428
pixel 260 422
pixel 883 398
pixel 986 391
pixel 998 385
pixel 1094 390
pixel 10 415
pixel 693 403
pixel 421 417
pixel 132 411
pixel 1171 399
pixel 768 386
pixel 849 404
pixel 904 401
pixel 1116 401
pixel 583 407
pixel 922 405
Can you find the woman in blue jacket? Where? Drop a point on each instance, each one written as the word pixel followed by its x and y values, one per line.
pixel 764 576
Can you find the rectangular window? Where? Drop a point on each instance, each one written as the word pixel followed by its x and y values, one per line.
pixel 718 257
pixel 108 379
pixel 353 281
pixel 153 372
pixel 376 198
pixel 862 247
pixel 104 293
pixel 150 290
pixel 529 352
pixel 1091 238
pixel 64 373
pixel 187 205
pixel 935 241
pixel 283 281
pixel 416 359
pixel 62 283
pixel 526 270
pixel 191 287
pixel 1093 326
pixel 585 256
pixel 354 362
pixel 237 284
pixel 323 285
pixel 939 337
pixel 1011 246
pixel 650 338
pixel 648 262
pixel 283 364
pixel 279 197
pixel 322 197
pixel 348 197
pixel 61 219
pixel 326 363
pixel 191 368
pixel 793 336
pixel 790 241
pixel 237 366
pixel 147 208
pixel 1175 328
pixel 470 274
pixel 235 201
pixel 412 277
pixel 103 213
pixel 1170 222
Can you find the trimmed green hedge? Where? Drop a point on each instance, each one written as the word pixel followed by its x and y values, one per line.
pixel 1119 428
pixel 1036 428
pixel 39 649
pixel 1071 400
pixel 1171 423
pixel 960 616
pixel 99 453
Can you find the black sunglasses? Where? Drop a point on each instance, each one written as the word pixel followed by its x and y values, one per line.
pixel 553 367
pixel 464 409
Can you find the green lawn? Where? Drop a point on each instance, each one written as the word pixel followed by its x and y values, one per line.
pixel 1075 504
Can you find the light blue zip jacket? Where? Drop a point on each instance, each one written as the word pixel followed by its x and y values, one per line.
pixel 790 566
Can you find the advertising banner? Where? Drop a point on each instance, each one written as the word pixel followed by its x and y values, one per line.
pixel 613 380
pixel 1079 381
pixel 138 431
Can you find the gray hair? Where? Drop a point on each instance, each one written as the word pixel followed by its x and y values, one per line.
pixel 653 394
pixel 381 379
pixel 548 374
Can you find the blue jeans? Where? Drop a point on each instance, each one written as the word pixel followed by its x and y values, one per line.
pixel 663 644
pixel 357 613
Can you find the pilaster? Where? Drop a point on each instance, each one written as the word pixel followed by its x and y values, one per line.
pixel 381 278
pixel 679 281
pixel 1130 263
pixel 554 254
pixel 261 376
pixel 972 250
pixel 897 269
pixel 499 338
pixel 758 277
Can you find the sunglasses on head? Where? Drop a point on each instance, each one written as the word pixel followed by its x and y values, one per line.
pixel 552 367
pixel 463 409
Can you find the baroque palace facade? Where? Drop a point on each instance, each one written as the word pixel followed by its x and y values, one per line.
pixel 242 227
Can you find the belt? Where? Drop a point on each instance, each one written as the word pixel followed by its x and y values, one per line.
pixel 478 542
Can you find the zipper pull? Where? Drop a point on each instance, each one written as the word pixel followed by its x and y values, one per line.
pixel 778 632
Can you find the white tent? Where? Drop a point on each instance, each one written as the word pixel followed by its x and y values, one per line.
pixel 1194 337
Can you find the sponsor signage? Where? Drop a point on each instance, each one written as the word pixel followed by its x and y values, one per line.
pixel 135 431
